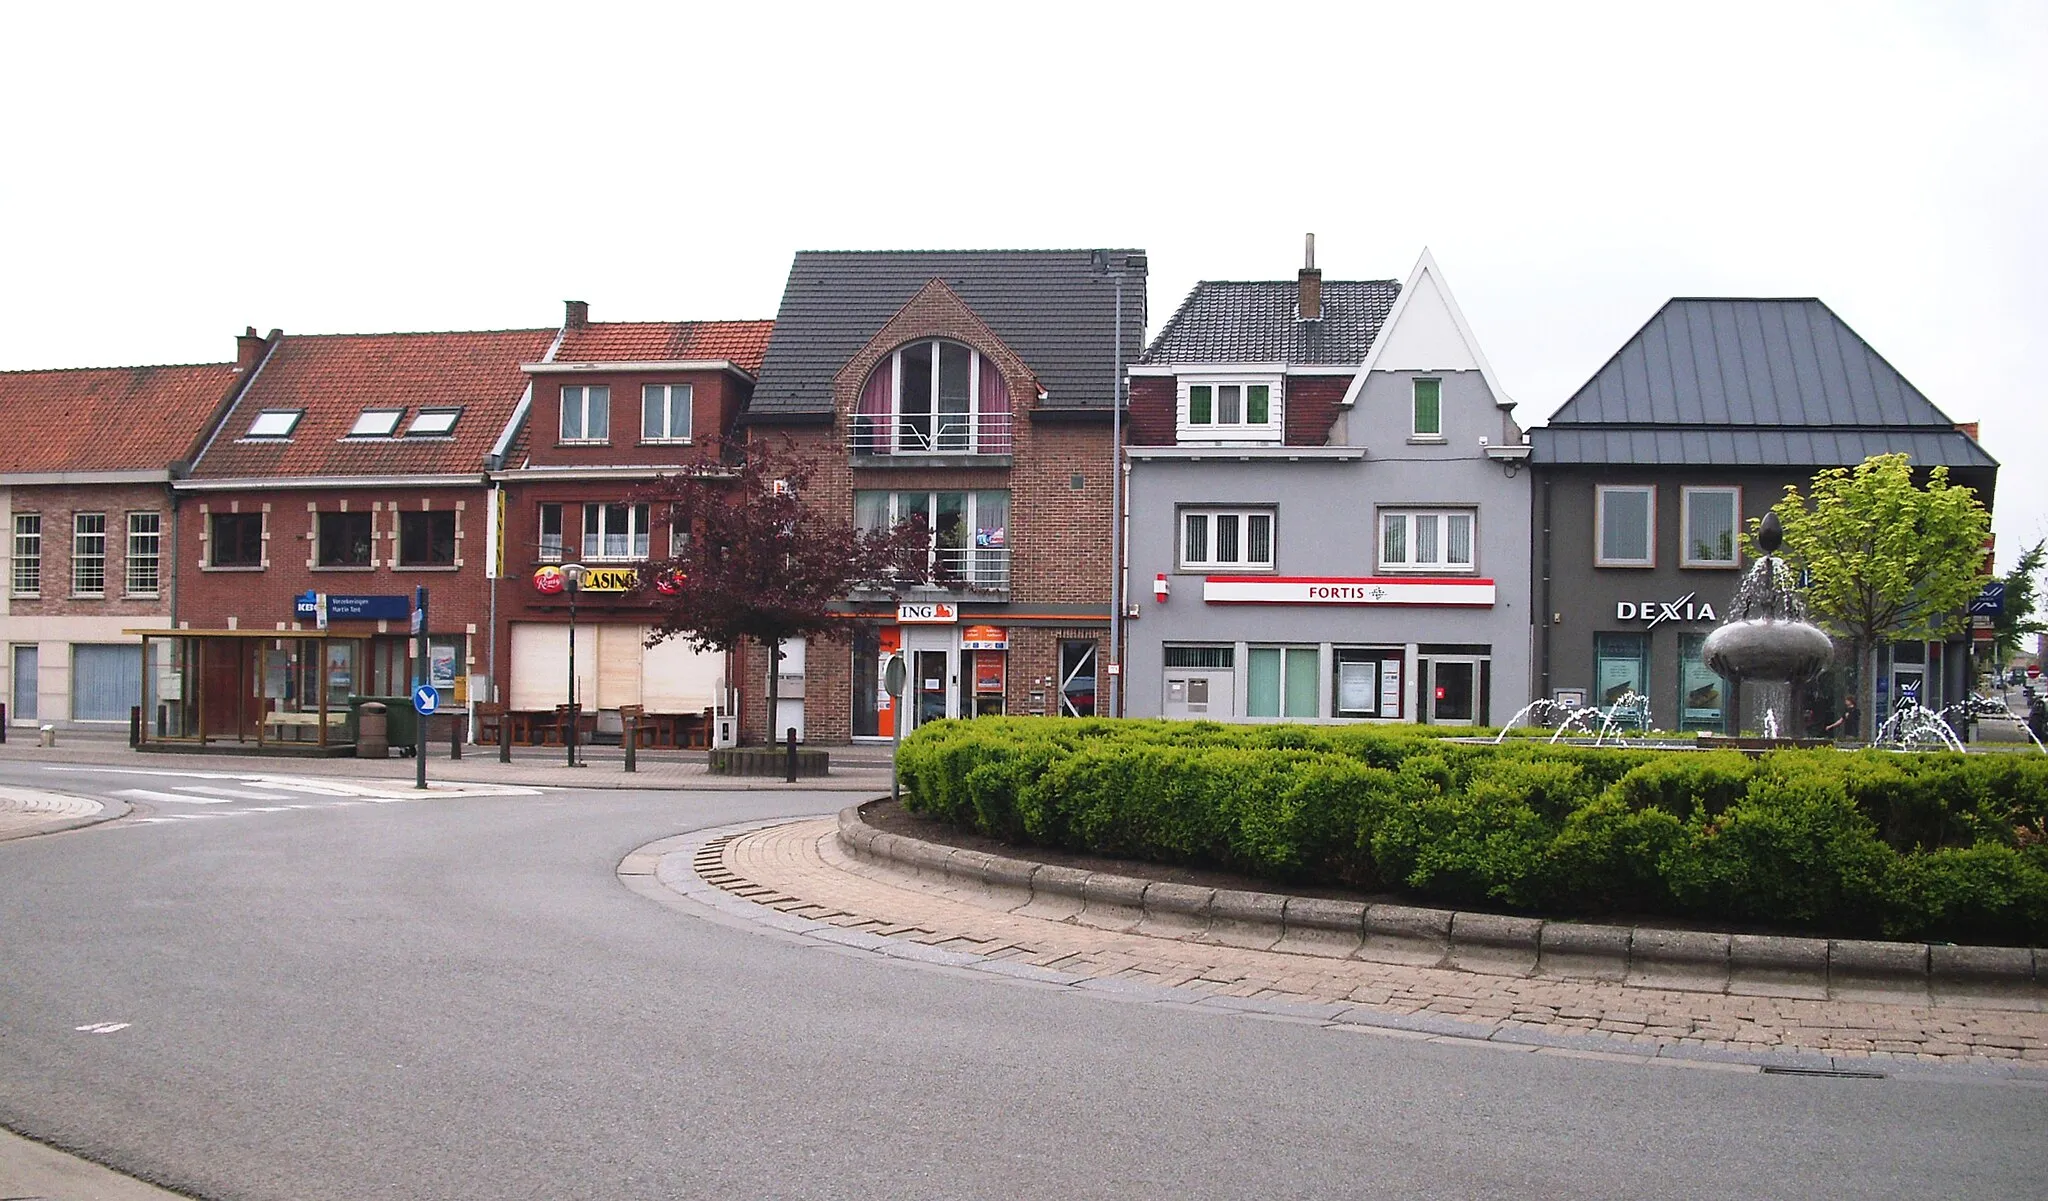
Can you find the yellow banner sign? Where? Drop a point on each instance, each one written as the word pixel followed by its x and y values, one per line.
pixel 610 579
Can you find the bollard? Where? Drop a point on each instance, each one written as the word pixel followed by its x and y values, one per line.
pixel 49 733
pixel 3 722
pixel 505 738
pixel 790 776
pixel 455 736
pixel 630 735
pixel 135 725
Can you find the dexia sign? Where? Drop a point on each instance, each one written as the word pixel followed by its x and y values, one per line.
pixel 1685 608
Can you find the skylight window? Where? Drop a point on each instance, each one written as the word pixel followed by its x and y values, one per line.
pixel 376 423
pixel 433 422
pixel 274 423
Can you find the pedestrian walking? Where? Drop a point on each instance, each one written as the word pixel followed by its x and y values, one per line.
pixel 1844 727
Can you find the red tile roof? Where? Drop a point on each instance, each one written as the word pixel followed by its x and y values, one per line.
pixel 334 377
pixel 107 418
pixel 742 343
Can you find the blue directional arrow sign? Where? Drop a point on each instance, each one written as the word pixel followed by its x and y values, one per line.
pixel 425 700
pixel 1989 601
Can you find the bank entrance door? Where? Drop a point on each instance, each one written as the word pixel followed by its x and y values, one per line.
pixel 934 683
pixel 1453 690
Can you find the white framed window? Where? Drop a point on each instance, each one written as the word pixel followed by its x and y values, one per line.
pixel 665 412
pixel 944 398
pixel 1232 539
pixel 1282 681
pixel 615 532
pixel 550 548
pixel 1710 518
pixel 1239 410
pixel 275 423
pixel 433 423
pixel 1625 525
pixel 1429 408
pixel 89 554
pixel 145 553
pixel 587 413
pixel 1427 539
pixel 28 554
pixel 376 423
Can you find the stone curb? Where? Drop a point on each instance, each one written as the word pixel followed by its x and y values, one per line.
pixel 2014 978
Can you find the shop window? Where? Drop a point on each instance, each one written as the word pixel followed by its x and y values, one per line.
pixel 427 539
pixel 1622 666
pixel 1702 694
pixel 344 539
pixel 1282 681
pixel 1077 678
pixel 1710 516
pixel 1625 523
pixel 235 539
pixel 1366 683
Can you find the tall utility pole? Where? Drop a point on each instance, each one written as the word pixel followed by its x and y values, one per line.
pixel 1115 670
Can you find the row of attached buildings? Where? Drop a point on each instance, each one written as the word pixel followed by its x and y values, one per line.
pixel 1329 510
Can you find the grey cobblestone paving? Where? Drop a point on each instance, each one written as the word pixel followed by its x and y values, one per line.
pixel 800 870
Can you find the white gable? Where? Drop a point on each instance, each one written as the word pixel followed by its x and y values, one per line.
pixel 1426 332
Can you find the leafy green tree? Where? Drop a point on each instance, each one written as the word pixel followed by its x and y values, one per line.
pixel 762 563
pixel 1886 560
pixel 2022 603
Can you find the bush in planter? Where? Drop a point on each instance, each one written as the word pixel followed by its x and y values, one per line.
pixel 1991 894
pixel 1794 849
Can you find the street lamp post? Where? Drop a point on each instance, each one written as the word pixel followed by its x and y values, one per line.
pixel 1117 270
pixel 572 580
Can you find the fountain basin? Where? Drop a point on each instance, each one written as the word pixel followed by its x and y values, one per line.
pixel 1767 648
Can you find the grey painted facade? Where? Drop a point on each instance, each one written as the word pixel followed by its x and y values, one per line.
pixel 1327 503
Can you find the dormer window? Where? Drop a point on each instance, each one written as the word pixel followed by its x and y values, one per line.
pixel 1230 410
pixel 433 423
pixel 275 423
pixel 376 423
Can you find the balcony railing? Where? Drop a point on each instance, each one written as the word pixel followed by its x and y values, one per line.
pixel 975 568
pixel 915 434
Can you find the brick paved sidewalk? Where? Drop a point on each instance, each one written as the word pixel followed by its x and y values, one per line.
pixel 24 812
pixel 800 869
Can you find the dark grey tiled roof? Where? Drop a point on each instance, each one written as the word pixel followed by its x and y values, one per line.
pixel 1750 381
pixel 1752 447
pixel 1748 362
pixel 1233 321
pixel 1055 308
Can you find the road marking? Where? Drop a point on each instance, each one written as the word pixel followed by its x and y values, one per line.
pixel 101 1027
pixel 232 794
pixel 171 798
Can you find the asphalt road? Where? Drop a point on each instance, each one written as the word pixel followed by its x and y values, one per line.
pixel 457 998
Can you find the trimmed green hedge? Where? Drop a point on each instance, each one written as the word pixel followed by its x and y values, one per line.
pixel 1926 846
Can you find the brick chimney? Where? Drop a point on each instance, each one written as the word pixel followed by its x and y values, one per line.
pixel 248 350
pixel 1969 429
pixel 1309 304
pixel 577 315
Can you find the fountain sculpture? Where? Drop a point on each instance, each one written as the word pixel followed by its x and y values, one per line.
pixel 1767 638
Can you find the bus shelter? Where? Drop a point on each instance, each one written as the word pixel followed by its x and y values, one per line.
pixel 260 689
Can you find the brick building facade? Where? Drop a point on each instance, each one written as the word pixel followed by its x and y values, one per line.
pixel 90 528
pixel 975 389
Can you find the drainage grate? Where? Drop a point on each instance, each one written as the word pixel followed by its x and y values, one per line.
pixel 1837 1073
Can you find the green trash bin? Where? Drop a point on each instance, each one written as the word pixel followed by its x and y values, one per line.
pixel 401 721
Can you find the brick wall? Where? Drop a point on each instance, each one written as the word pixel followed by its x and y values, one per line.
pixel 716 400
pixel 1312 402
pixel 1059 480
pixel 58 506
pixel 1154 411
pixel 261 598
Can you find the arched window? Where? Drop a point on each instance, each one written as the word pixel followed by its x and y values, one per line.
pixel 934 397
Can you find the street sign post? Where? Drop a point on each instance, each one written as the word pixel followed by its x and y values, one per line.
pixel 424 699
pixel 894 677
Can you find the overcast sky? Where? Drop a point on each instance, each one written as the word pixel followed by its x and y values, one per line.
pixel 176 172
